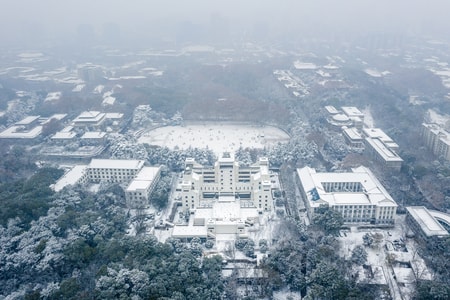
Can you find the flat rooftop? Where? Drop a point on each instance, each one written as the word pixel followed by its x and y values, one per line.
pixel 180 231
pixel 429 225
pixel 28 120
pixel 14 132
pixel 331 109
pixel 136 185
pixel 70 178
pixel 352 111
pixel 148 173
pixel 116 164
pixel 93 135
pixel 377 133
pixel 144 179
pixel 373 192
pixel 64 135
pixel 386 153
pixel 89 116
pixel 352 133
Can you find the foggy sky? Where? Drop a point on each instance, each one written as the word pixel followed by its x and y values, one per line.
pixel 56 19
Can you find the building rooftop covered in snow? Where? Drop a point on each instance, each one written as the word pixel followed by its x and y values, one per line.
pixel 357 195
pixel 224 198
pixel 141 187
pixel 422 221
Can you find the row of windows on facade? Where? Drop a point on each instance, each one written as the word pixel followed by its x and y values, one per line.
pixel 113 173
pixel 216 188
pixel 107 176
pixel 110 170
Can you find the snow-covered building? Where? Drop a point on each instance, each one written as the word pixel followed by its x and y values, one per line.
pixel 357 195
pixel 421 221
pixel 93 137
pixel 141 187
pixel 225 198
pixel 382 148
pixel 74 176
pixel 437 139
pixel 89 119
pixel 64 135
pixel 28 128
pixel 203 185
pixel 353 137
pixel 355 115
pixel 113 170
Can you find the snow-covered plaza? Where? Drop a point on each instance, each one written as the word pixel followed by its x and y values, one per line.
pixel 218 137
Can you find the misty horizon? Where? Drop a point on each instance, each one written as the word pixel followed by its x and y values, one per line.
pixel 25 22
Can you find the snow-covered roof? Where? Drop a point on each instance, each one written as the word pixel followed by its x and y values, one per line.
pixel 340 118
pixel 352 111
pixel 144 179
pixel 70 178
pixel 180 231
pixel 429 225
pixel 14 132
pixel 331 109
pixel 372 192
pixel 377 133
pixel 352 133
pixel 58 117
pixel 148 173
pixel 28 120
pixel 136 185
pixel 386 153
pixel 89 117
pixel 114 115
pixel 116 164
pixel 64 135
pixel 93 135
pixel 226 210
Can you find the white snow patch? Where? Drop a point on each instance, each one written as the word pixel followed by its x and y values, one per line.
pixel 304 65
pixel 218 137
pixel 376 73
pixel 435 117
pixel 54 96
pixel 78 88
pixel 99 89
pixel 368 118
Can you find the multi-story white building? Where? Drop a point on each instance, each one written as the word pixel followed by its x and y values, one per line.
pixel 139 190
pixel 201 185
pixel 355 115
pixel 382 148
pixel 437 139
pixel 225 198
pixel 357 195
pixel 113 170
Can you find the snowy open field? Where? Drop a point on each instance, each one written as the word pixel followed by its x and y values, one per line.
pixel 218 137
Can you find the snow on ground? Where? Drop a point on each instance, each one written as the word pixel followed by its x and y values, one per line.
pixel 99 89
pixel 376 73
pixel 218 137
pixel 368 119
pixel 444 74
pixel 78 88
pixel 54 96
pixel 304 65
pixel 108 99
pixel 396 275
pixel 437 118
